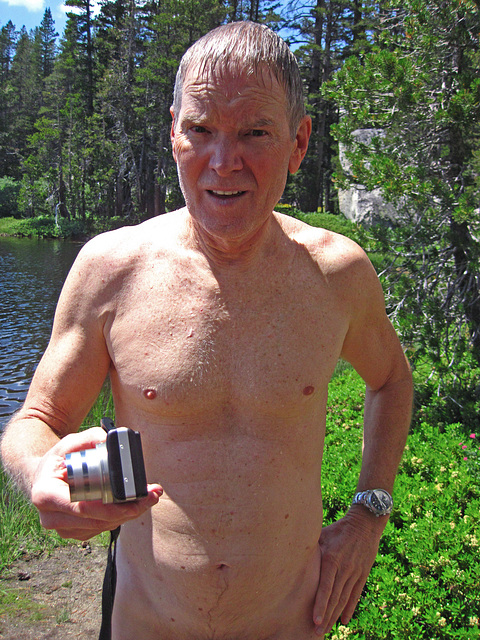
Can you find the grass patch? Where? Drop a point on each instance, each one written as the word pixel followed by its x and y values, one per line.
pixel 15 603
pixel 45 226
pixel 11 226
pixel 20 529
pixel 63 616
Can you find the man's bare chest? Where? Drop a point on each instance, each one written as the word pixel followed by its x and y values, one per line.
pixel 190 345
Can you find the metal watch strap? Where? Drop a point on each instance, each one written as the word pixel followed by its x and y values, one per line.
pixel 362 497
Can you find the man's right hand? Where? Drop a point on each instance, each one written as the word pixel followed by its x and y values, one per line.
pixel 79 520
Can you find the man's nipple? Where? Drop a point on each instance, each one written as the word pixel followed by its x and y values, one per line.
pixel 307 391
pixel 150 394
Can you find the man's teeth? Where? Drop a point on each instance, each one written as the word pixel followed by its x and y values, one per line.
pixel 226 193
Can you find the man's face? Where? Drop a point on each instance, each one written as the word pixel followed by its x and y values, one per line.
pixel 233 148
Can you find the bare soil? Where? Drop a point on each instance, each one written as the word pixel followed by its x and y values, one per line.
pixel 54 596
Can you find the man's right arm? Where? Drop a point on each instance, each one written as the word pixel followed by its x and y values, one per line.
pixel 65 385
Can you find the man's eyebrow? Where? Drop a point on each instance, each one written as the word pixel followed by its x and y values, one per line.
pixel 200 119
pixel 261 122
pixel 193 118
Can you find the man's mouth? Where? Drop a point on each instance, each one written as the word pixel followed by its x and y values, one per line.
pixel 225 194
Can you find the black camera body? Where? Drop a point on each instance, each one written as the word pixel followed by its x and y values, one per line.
pixel 112 472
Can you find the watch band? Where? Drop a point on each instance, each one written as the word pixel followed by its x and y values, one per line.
pixel 378 501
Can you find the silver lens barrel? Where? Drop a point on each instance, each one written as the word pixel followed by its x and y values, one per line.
pixel 88 475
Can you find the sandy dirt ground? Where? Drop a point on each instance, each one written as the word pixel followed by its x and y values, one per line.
pixel 54 597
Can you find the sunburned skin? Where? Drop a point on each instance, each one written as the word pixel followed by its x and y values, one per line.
pixel 230 400
pixel 220 326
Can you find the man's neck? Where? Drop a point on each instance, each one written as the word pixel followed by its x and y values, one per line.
pixel 242 253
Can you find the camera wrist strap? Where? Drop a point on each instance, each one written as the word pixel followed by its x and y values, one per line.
pixel 109 586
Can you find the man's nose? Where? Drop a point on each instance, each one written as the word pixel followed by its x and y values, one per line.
pixel 225 156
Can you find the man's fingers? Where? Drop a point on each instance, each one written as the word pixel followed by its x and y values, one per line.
pixel 338 602
pixel 338 592
pixel 83 520
pixel 351 605
pixel 328 572
pixel 78 441
pixel 118 511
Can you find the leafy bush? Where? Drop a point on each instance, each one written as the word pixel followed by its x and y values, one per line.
pixel 9 191
pixel 426 581
pixel 330 221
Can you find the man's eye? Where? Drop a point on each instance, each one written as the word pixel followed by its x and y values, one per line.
pixel 198 129
pixel 258 133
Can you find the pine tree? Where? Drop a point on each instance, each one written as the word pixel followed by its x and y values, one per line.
pixel 84 26
pixel 8 37
pixel 421 88
pixel 48 42
pixel 25 96
pixel 326 32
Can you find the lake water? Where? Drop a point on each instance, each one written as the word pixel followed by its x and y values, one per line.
pixel 32 273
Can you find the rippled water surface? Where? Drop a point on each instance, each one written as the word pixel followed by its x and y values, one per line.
pixel 32 273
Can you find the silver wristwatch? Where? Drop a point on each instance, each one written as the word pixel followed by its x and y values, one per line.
pixel 379 501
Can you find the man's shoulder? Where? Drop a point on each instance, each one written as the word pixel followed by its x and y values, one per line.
pixel 331 251
pixel 134 244
pixel 110 260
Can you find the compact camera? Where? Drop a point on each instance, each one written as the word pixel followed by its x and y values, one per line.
pixel 112 472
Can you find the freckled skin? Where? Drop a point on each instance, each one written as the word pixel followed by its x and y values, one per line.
pixel 244 315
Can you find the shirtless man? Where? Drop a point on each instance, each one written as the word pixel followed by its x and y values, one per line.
pixel 220 326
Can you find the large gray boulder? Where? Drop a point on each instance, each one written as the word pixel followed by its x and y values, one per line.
pixel 358 204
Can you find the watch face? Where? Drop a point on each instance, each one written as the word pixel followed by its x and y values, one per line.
pixel 381 501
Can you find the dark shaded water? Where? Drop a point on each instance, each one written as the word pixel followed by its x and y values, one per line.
pixel 32 273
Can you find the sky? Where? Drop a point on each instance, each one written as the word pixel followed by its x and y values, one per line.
pixel 30 13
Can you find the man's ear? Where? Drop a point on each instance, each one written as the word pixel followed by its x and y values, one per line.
pixel 172 133
pixel 301 144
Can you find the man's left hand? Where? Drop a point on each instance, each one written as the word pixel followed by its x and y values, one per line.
pixel 348 550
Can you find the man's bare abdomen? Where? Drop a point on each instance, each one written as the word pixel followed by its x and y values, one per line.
pixel 256 583
pixel 231 549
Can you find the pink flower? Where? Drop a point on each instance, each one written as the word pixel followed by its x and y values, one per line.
pixel 465 458
pixel 472 435
pixel 464 446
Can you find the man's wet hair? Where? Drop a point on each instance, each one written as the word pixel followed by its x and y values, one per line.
pixel 249 48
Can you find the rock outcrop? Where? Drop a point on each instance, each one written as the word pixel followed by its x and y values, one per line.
pixel 358 204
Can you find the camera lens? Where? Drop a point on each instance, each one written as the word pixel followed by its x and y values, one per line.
pixel 88 475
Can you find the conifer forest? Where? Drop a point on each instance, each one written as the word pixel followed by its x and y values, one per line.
pixel 85 134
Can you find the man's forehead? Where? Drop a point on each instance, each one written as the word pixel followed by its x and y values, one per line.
pixel 206 87
pixel 228 79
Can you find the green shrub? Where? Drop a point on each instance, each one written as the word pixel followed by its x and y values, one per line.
pixel 330 221
pixel 425 583
pixel 339 224
pixel 9 191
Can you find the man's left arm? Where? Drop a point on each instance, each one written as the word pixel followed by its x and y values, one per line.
pixel 349 546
